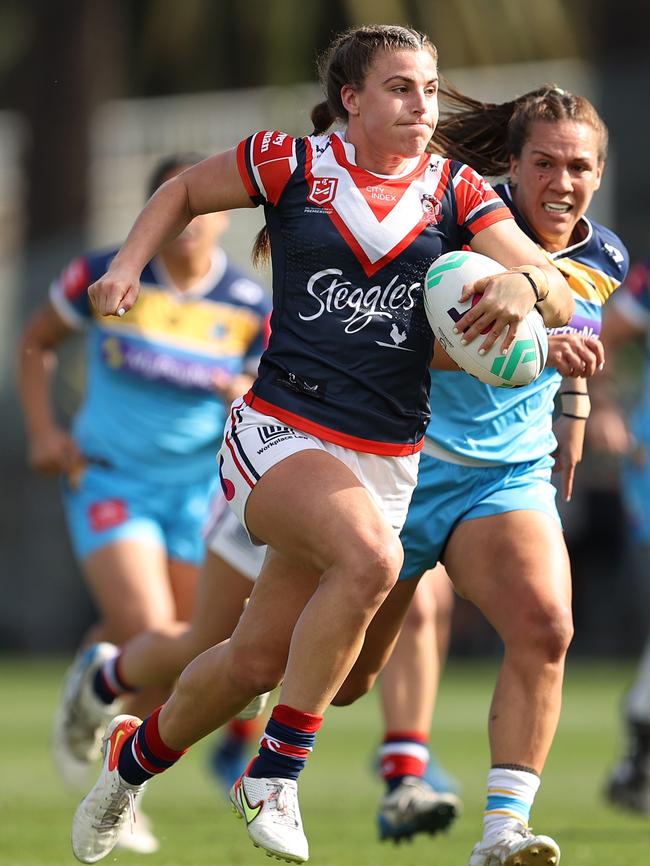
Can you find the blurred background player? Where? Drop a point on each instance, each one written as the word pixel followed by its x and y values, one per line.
pixel 157 656
pixel 138 465
pixel 484 504
pixel 627 321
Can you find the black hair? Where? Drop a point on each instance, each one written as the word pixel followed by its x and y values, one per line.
pixel 168 166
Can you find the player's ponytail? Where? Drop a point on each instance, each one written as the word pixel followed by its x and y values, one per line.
pixel 486 135
pixel 322 117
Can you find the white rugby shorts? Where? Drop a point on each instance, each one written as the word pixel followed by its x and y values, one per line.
pixel 253 443
pixel 225 536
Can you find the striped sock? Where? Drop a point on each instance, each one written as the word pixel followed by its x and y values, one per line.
pixel 403 753
pixel 286 742
pixel 109 682
pixel 510 796
pixel 237 734
pixel 144 754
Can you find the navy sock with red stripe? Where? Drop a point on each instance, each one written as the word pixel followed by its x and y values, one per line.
pixel 285 745
pixel 144 754
pixel 109 682
pixel 403 753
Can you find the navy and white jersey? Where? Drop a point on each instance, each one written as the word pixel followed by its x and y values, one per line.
pixel 633 303
pixel 350 343
pixel 483 424
pixel 150 405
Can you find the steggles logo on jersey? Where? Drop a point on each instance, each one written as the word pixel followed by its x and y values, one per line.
pixel 334 295
pixel 323 190
pixel 397 337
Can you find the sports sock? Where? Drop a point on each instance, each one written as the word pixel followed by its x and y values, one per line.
pixel 144 754
pixel 109 682
pixel 511 791
pixel 238 733
pixel 403 753
pixel 285 744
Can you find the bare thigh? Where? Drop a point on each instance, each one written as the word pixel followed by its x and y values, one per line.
pixel 312 508
pixel 512 566
pixel 129 581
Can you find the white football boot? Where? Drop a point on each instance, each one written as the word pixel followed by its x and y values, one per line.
pixel 81 717
pixel 101 816
pixel 255 708
pixel 270 809
pixel 414 807
pixel 138 836
pixel 516 846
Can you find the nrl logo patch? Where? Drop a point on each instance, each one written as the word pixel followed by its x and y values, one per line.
pixel 323 190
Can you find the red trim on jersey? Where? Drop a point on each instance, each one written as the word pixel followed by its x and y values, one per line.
pixel 369 267
pixel 354 443
pixel 272 154
pixel 473 192
pixel 490 219
pixel 242 166
pixel 366 181
pixel 362 177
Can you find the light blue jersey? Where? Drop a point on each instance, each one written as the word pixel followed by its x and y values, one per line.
pixel 487 450
pixel 150 407
pixel 503 425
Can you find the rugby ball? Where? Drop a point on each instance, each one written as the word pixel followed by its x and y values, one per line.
pixel 443 286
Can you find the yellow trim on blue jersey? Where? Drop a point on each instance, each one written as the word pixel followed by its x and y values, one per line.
pixel 586 281
pixel 201 326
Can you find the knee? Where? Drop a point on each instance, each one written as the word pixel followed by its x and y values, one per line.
pixel 254 672
pixel 371 570
pixel 545 631
pixel 355 686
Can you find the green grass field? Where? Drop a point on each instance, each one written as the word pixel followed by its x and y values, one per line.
pixel 338 792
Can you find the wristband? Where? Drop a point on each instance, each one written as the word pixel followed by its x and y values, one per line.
pixel 538 297
pixel 575 404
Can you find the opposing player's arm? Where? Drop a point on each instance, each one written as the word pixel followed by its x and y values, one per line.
pixel 573 354
pixel 506 243
pixel 211 185
pixel 442 361
pixel 50 448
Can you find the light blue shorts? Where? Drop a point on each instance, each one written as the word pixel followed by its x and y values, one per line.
pixel 107 505
pixel 448 494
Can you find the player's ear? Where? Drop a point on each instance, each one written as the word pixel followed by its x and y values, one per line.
pixel 350 100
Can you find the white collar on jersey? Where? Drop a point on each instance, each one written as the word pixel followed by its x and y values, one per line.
pixel 350 153
pixel 200 288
